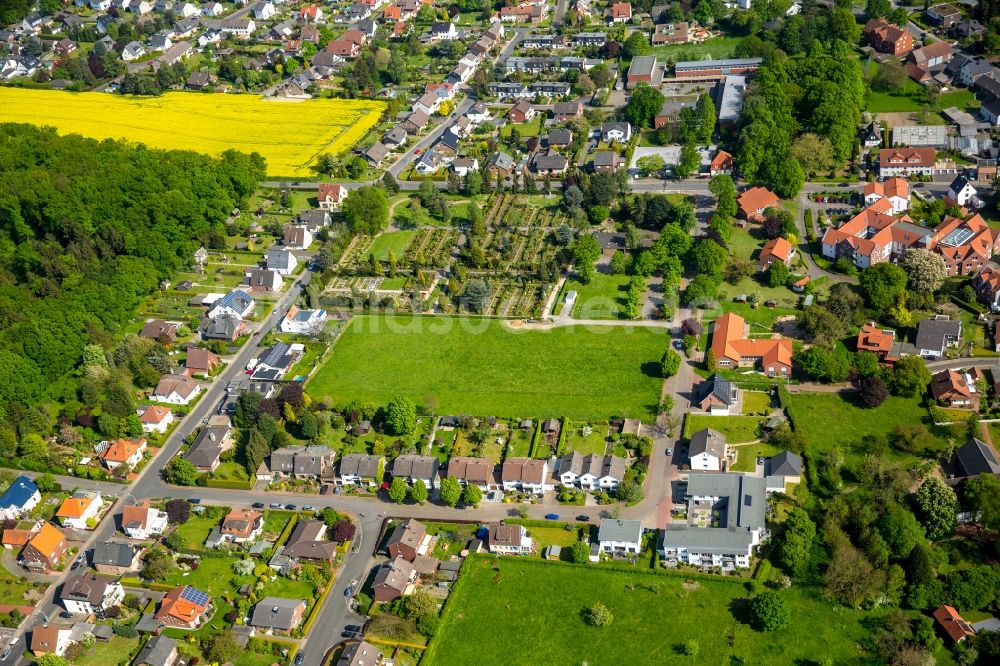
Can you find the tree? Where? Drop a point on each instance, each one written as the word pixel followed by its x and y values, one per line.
pixel 796 545
pixel 643 106
pixel 598 615
pixel 688 162
pixel 705 113
pixel 398 489
pixel 769 611
pixel 366 210
pixel 451 491
pixel 178 511
pixel 937 507
pixel 814 153
pixel 51 659
pixel 901 531
pixel 709 258
pixel 418 493
pixel 221 647
pixel 872 391
pixel 850 578
pixel 866 363
pixel 180 472
pixel 651 164
pixel 925 270
pixel 909 376
pixel 883 286
pixel 477 292
pixel 671 363
pixel 692 648
pixel 982 494
pixel 777 274
pixel 342 530
pixel 308 427
pixel 636 45
pixel 724 189
pixel 400 415
pixel 472 495
pixel 579 553
pixel 820 325
pixel 878 8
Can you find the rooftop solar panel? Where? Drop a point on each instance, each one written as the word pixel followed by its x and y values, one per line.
pixel 194 596
pixel 958 236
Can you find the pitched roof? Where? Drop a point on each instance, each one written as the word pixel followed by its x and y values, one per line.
pixel 708 441
pixel 478 471
pixel 949 385
pixel 396 575
pixel 408 533
pixel 46 540
pixel 200 359
pixel 19 492
pixel 77 505
pixel 779 248
pixel 183 385
pixel 613 529
pixel 894 157
pixel 756 198
pixel 184 603
pixel 931 333
pixel 123 449
pixel 113 553
pixel 87 587
pixel 154 414
pixel 276 613
pixel 976 457
pixel 416 467
pixel 157 651
pixel 135 516
pixel 953 624
pixel 786 463
pixel 728 342
pixel 524 470
pixel 874 339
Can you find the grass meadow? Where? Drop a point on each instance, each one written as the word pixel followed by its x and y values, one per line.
pixel 654 614
pixel 480 366
pixel 290 135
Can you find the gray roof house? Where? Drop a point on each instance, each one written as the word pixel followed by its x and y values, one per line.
pixel 301 462
pixel 158 651
pixel 358 468
pixel 306 542
pixel 785 463
pixel 976 457
pixel 619 537
pixel 936 334
pixel 281 260
pixel 207 447
pixel 412 467
pixel 277 614
pixel 707 450
pixel 114 556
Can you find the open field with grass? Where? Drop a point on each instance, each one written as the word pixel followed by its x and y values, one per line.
pixel 737 429
pixel 289 135
pixel 602 298
pixel 652 621
pixel 393 241
pixel 834 420
pixel 480 366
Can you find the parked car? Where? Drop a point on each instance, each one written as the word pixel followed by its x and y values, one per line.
pixel 308 507
pixel 194 500
pixel 258 505
pixel 299 658
pixel 349 592
pixel 552 516
pixel 5 654
pixel 290 507
pixel 349 634
pixel 583 519
pixel 352 627
pixel 275 505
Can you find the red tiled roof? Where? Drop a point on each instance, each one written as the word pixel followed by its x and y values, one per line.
pixel 952 623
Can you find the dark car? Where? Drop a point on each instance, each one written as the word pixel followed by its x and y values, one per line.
pixel 66 615
pixel 353 627
pixel 258 505
pixel 194 500
pixel 299 658
pixel 583 518
pixel 349 592
pixel 290 507
pixel 349 634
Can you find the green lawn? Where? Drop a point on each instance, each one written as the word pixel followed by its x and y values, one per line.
pixel 833 420
pixel 393 241
pixel 711 49
pixel 746 460
pixel 214 576
pixel 595 442
pixel 737 429
pixel 910 98
pixel 519 445
pixel 653 616
pixel 603 298
pixel 480 366
pixel 115 651
pixel 13 589
pixel 756 402
pixel 525 129
pixel 196 530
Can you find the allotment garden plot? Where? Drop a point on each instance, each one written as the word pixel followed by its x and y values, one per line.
pixel 481 366
pixel 289 135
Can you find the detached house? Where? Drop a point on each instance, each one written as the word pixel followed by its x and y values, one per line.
pixel 707 451
pixel 206 450
pixel 89 593
pixel 307 542
pixel 504 539
pixel 280 260
pixel 331 196
pixel 936 334
pixel 158 651
pixel 124 453
pixel 83 506
pixel 877 341
pixel 21 497
pixel 45 550
pixel 159 330
pixel 775 250
pixel 620 537
pixel 141 521
pixel 241 526
pixel 754 201
pixel 733 349
pixel 278 614
pixel 237 303
pixel 394 580
pixel 261 279
pixel 50 640
pixel 115 557
pixel 887 38
pixel 717 396
pixel 303 322
pixel 184 607
pixel 200 361
pixel 956 390
pixel 156 418
pixel 297 237
pixel 409 540
pixel 176 390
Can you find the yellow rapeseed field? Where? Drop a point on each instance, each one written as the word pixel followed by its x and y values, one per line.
pixel 289 134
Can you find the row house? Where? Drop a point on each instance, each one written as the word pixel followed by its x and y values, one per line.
pixel 592 471
pixel 528 475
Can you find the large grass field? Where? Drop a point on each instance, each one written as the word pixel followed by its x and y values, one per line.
pixel 288 134
pixel 546 602
pixel 602 298
pixel 480 366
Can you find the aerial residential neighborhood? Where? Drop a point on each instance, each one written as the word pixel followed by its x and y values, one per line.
pixel 377 332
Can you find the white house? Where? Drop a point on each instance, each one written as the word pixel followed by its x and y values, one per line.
pixel 616 132
pixel 620 537
pixel 504 539
pixel 528 475
pixel 187 10
pixel 140 521
pixel 962 191
pixel 21 497
pixel 122 452
pixel 443 31
pixel 89 593
pixel 236 303
pixel 176 390
pixel 100 5
pixel 263 11
pixel 155 418
pixel 238 27
pixel 76 510
pixel 133 51
pixel 895 190
pixel 429 103
pixel 297 236
pixel 210 36
pixel 463 165
pixel 281 260
pixel 51 640
pixel 142 7
pixel 331 195
pixel 303 322
pixel 707 450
